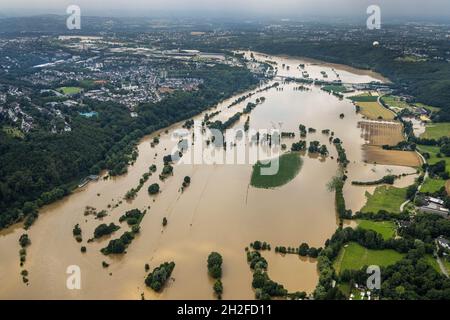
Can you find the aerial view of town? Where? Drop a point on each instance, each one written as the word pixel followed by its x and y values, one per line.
pixel 286 150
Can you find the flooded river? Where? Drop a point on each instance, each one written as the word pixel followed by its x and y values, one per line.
pixel 219 211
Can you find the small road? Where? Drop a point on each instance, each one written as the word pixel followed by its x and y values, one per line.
pixel 404 204
pixel 418 187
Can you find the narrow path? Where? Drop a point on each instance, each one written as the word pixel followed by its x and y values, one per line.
pixel 442 266
pixel 381 104
pixel 418 187
pixel 402 206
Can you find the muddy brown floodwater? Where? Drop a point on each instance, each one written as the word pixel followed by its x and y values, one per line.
pixel 219 211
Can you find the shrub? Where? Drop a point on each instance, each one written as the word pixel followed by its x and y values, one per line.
pixel 215 265
pixel 158 278
pixel 24 240
pixel 218 288
pixel 153 189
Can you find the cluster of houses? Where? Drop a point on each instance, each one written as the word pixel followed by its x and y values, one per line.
pixel 14 113
pixel 435 205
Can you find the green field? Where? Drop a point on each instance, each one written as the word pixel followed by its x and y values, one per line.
pixel 432 262
pixel 370 107
pixel 385 228
pixel 385 198
pixel 433 151
pixel 394 102
pixel 289 166
pixel 364 97
pixel 432 185
pixel 69 90
pixel 437 130
pixel 13 132
pixel 355 256
pixel 409 58
pixel 446 264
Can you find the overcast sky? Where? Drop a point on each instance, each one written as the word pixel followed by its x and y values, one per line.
pixel 288 8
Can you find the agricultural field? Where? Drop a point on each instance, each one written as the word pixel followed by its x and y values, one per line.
pixel 354 256
pixel 374 111
pixel 69 90
pixel 437 130
pixel 385 228
pixel 432 185
pixel 385 198
pixel 395 102
pixel 377 155
pixel 433 152
pixel 379 134
pixel 289 166
pixel 13 132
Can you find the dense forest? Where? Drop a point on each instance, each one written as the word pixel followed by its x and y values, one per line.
pixel 44 167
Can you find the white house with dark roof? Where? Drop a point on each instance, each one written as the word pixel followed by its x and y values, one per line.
pixel 443 243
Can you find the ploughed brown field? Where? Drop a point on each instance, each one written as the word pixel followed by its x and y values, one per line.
pixel 379 133
pixel 376 154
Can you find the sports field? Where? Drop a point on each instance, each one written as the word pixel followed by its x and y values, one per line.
pixel 69 90
pixel 354 256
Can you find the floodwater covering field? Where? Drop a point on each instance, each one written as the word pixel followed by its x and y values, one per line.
pixel 219 211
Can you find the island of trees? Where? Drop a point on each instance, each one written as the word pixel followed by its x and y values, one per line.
pixel 159 276
pixel 215 271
